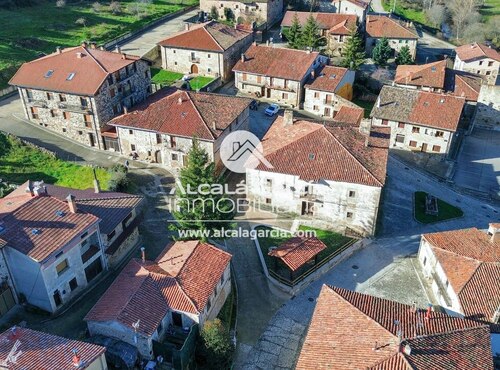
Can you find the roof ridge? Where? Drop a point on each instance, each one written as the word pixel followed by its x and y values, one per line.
pixel 195 306
pixel 212 36
pixel 355 158
pixel 300 138
pixel 199 114
pixel 451 331
pixel 303 240
pixel 457 254
pixel 470 279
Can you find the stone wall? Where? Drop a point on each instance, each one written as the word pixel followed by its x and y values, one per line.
pixel 259 12
pixel 488 108
pixel 486 67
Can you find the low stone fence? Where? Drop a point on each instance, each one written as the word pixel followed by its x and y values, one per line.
pixel 7 91
pixel 212 86
pixel 311 275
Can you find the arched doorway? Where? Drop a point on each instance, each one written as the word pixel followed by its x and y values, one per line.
pixel 194 69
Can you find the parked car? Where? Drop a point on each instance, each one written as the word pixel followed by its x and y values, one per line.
pixel 272 110
pixel 254 105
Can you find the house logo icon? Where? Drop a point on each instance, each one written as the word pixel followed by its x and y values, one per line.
pixel 242 150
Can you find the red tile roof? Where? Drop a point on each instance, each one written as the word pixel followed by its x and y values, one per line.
pixel 349 115
pixel 184 113
pixel 328 78
pixel 471 262
pixel 297 251
pixel 210 36
pixel 182 279
pixel 90 66
pixel 337 24
pixel 464 84
pixel 378 26
pixel 37 228
pixel 276 62
pixel 441 111
pixel 350 330
pixel 429 75
pixel 334 152
pixel 42 351
pixel 475 50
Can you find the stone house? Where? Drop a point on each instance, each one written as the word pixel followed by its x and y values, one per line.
pixel 487 113
pixel 161 129
pixel 398 33
pixel 419 120
pixel 76 91
pixel 462 267
pixel 327 175
pixel 353 330
pixel 327 90
pixel 360 8
pixel 335 28
pixel 186 285
pixel 36 350
pixel 266 12
pixel 52 249
pixel 208 49
pixel 277 74
pixel 480 59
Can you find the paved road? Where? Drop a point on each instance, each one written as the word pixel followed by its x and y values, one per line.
pixel 478 165
pixel 148 40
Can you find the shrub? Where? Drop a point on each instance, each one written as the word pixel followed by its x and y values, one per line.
pixel 97 7
pixel 115 7
pixel 61 3
pixel 216 349
pixel 119 180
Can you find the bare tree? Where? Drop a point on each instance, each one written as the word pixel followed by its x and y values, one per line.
pixel 461 11
pixel 61 3
pixel 474 32
pixel 135 9
pixel 115 7
pixel 81 21
pixel 97 7
pixel 437 15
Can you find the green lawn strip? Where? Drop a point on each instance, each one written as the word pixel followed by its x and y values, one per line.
pixel 163 77
pixel 29 31
pixel 446 211
pixel 491 8
pixel 228 312
pixel 367 105
pixel 199 81
pixel 19 163
pixel 333 241
pixel 413 15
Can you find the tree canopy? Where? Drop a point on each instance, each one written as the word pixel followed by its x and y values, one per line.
pixel 353 51
pixel 381 52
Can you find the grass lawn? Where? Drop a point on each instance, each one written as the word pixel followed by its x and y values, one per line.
pixel 490 9
pixel 163 77
pixel 413 15
pixel 199 81
pixel 367 105
pixel 333 241
pixel 28 31
pixel 19 163
pixel 446 211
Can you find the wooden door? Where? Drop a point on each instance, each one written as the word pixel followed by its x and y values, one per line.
pixel 424 147
pixel 194 69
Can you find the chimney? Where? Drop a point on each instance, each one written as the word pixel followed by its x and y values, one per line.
pixel 124 56
pixel 29 189
pixel 93 45
pixel 367 141
pixel 97 188
pixel 428 313
pixel 378 102
pixel 72 203
pixel 267 43
pixel 77 361
pixel 214 125
pixel 101 47
pixel 187 26
pixel 39 189
pixel 243 58
pixel 84 44
pixel 406 349
pixel 118 49
pixel 58 50
pixel 313 74
pixel 79 55
pixel 143 254
pixel 308 51
pixel 125 109
pixel 414 307
pixel 288 117
pixel 179 101
pixel 254 43
pixel 494 232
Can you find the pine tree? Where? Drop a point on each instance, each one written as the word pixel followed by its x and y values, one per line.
pixel 354 55
pixel 200 210
pixel 311 35
pixel 381 52
pixel 293 33
pixel 404 56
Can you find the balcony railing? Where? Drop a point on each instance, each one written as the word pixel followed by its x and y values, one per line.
pixel 89 253
pixel 73 107
pixel 194 59
pixel 283 88
pixel 37 103
pixel 311 197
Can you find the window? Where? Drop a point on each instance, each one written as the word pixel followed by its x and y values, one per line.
pixel 209 70
pixel 415 130
pixel 315 107
pixel 66 115
pixel 130 132
pixel 244 76
pixel 208 56
pixel 352 194
pixel 29 94
pixel 53 113
pixel 413 143
pixel 173 143
pixel 111 235
pixel 158 139
pixel 173 51
pixel 132 147
pixel 490 64
pixel 284 96
pixel 259 79
pixel 127 219
pixel 488 73
pixel 146 74
pixel 34 112
pixel 73 284
pixel 62 266
pixel 50 96
pixel 316 94
pixel 175 157
pixel 400 138
pixel 268 200
pixel 425 260
pixel 110 80
pixel 439 134
pixel 80 132
pixel 112 92
pixel 349 215
pixel 175 63
pixel 269 183
pixel 84 102
pixel 385 122
pixel 64 129
pixel 87 118
pixel 436 148
pixel 401 125
pixel 447 283
pixel 62 97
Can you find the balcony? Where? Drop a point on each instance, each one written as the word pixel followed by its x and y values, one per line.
pixel 37 103
pixel 329 102
pixel 89 253
pixel 194 59
pixel 282 88
pixel 77 108
pixel 253 83
pixel 311 197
